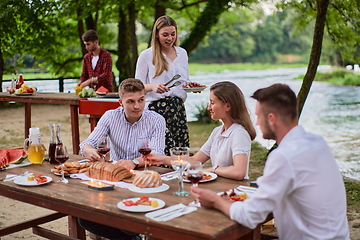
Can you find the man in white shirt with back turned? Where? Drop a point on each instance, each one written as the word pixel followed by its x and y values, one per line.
pixel 301 184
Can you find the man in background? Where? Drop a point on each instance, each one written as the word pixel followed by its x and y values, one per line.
pixel 97 64
pixel 301 185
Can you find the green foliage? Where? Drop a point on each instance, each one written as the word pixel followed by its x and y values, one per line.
pixel 203 114
pixel 339 78
pixel 258 152
pixel 352 194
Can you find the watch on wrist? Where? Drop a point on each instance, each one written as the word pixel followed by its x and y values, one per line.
pixel 136 162
pixel 214 168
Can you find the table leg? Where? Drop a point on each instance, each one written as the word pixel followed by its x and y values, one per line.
pixel 27 119
pixel 75 230
pixel 75 128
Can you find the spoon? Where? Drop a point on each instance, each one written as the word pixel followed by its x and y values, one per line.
pixel 177 76
pixel 177 83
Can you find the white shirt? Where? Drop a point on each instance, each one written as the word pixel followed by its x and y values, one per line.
pixel 145 71
pixel 94 61
pixel 303 187
pixel 124 136
pixel 221 148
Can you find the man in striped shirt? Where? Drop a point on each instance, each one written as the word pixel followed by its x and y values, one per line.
pixel 126 126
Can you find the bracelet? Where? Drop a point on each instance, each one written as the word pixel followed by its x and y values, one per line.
pixel 214 168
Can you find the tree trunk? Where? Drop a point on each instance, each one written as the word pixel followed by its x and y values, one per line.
pixel 133 39
pixel 204 23
pixel 322 6
pixel 2 67
pixel 80 27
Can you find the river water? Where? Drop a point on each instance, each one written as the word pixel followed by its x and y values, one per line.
pixel 331 111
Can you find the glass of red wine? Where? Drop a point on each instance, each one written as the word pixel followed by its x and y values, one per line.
pixel 144 149
pixel 194 175
pixel 103 147
pixel 61 156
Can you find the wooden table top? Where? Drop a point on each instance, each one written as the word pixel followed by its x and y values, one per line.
pixel 49 98
pixel 76 199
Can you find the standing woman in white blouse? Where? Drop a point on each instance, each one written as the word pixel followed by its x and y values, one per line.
pixel 156 66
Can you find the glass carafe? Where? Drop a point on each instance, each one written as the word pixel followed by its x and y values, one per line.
pixel 34 147
pixel 54 141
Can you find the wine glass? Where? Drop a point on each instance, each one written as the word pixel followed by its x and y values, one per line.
pixel 103 147
pixel 179 161
pixel 61 156
pixel 144 149
pixel 194 175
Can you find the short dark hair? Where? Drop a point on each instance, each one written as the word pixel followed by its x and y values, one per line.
pixel 278 98
pixel 90 36
pixel 130 85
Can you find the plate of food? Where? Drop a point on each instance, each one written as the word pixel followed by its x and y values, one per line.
pixel 236 194
pixel 163 187
pixel 23 94
pixel 71 168
pixel 141 204
pixel 193 87
pixel 207 177
pixel 32 180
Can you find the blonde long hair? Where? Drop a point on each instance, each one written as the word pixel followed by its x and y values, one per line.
pixel 228 92
pixel 159 60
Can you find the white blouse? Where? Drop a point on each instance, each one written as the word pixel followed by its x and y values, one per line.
pixel 221 148
pixel 145 71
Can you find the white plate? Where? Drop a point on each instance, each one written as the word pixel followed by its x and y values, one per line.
pixel 213 177
pixel 23 181
pixel 194 89
pixel 23 94
pixel 59 174
pixel 140 208
pixel 161 188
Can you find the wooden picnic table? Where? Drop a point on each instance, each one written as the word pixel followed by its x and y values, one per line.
pixel 76 200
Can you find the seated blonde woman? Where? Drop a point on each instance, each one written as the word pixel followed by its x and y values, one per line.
pixel 229 145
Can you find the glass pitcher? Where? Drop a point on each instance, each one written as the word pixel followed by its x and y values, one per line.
pixel 54 140
pixel 34 147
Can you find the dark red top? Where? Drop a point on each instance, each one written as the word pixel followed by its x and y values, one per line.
pixel 103 70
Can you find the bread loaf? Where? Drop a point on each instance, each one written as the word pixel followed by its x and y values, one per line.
pixel 108 171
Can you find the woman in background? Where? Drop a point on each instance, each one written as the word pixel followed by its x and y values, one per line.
pixel 156 66
pixel 229 145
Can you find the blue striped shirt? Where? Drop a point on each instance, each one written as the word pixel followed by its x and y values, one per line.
pixel 124 136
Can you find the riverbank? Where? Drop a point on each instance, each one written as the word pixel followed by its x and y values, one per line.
pixel 11 131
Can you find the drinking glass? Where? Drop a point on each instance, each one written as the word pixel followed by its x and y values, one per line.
pixel 103 147
pixel 61 156
pixel 194 175
pixel 144 149
pixel 180 161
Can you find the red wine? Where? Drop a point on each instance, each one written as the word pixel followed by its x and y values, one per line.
pixel 52 147
pixel 195 177
pixel 104 150
pixel 62 158
pixel 145 151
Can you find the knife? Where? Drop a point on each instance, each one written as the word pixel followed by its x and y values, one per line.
pixel 171 212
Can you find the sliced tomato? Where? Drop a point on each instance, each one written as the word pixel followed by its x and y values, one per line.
pixel 129 203
pixel 144 198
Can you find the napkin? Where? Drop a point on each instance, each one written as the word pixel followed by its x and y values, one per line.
pixel 169 213
pixel 169 176
pixel 83 176
pixel 12 177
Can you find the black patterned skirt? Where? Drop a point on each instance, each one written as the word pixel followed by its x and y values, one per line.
pixel 173 110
